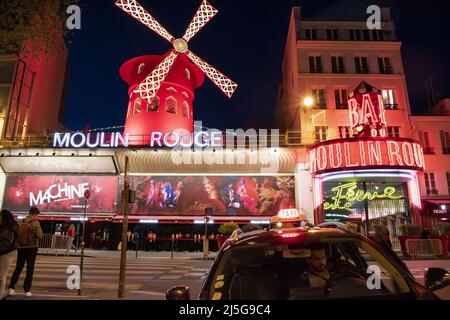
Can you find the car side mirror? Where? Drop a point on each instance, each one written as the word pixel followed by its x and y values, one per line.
pixel 178 293
pixel 436 278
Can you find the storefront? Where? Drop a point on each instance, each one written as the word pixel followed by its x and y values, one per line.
pixel 170 198
pixel 370 178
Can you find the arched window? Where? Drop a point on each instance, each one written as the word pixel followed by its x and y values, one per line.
pixel 188 74
pixel 171 105
pixel 171 90
pixel 137 105
pixel 141 68
pixel 153 106
pixel 185 110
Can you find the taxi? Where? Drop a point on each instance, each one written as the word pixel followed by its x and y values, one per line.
pixel 293 260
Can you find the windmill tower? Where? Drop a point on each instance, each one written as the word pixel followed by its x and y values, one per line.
pixel 162 88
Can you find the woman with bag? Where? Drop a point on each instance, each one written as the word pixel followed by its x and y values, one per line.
pixel 8 247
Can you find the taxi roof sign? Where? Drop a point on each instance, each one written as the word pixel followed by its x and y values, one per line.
pixel 289 215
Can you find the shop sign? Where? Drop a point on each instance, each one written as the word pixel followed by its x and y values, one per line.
pixel 347 193
pixel 360 153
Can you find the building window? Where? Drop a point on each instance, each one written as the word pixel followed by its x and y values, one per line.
pixel 141 68
pixel 171 105
pixel 185 110
pixel 393 132
pixel 320 101
pixel 137 106
pixel 384 63
pixel 4 97
pixel 171 90
pixel 344 132
pixel 445 141
pixel 7 71
pixel 448 181
pixel 430 184
pixel 361 65
pixel 321 134
pixel 310 34
pixel 337 64
pixel 315 64
pixel 389 99
pixel 153 106
pixel 188 74
pixel 425 142
pixel 332 34
pixel 340 96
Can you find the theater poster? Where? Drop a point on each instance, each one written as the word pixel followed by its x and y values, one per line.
pixel 233 196
pixel 63 194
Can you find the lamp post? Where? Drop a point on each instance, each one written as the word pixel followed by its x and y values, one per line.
pixel 123 255
pixel 87 196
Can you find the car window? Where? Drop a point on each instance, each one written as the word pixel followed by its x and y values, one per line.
pixel 265 271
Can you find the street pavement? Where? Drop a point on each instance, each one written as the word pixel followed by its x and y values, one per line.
pixel 147 277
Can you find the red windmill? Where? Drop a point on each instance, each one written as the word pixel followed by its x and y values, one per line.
pixel 169 80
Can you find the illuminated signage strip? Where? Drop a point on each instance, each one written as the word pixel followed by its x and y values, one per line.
pixel 76 140
pixel 366 153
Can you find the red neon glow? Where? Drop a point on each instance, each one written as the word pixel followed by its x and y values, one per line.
pixel 366 112
pixel 290 235
pixel 366 152
pixel 151 84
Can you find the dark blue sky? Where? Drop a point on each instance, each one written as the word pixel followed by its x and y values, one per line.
pixel 245 41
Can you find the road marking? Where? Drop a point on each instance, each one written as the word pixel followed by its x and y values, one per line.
pixel 149 293
pixel 170 277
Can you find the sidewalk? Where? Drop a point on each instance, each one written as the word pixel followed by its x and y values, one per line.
pixel 131 254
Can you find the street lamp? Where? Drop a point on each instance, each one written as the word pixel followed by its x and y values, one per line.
pixel 308 101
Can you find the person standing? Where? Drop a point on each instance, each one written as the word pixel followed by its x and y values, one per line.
pixel 8 247
pixel 28 233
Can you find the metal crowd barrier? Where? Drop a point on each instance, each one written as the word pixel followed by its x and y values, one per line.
pixel 424 247
pixel 51 242
pixel 395 244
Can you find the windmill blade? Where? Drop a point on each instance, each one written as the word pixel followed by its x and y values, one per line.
pixel 134 9
pixel 204 14
pixel 148 88
pixel 220 80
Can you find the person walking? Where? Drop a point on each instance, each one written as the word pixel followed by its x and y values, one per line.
pixel 28 233
pixel 8 247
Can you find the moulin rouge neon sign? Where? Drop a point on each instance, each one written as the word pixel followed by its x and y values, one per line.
pixel 366 153
pixel 345 194
pixel 366 111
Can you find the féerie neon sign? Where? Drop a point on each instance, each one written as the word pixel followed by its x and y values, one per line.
pixel 347 193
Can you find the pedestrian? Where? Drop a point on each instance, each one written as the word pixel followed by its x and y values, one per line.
pixel 8 247
pixel 425 234
pixel 28 233
pixel 71 234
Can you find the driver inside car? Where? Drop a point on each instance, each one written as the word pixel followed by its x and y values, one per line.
pixel 318 270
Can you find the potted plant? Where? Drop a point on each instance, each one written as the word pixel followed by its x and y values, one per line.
pixel 352 226
pixel 225 230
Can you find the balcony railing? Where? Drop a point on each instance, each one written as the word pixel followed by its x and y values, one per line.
pixel 432 192
pixel 446 150
pixel 346 35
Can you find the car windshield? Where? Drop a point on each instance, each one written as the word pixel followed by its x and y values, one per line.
pixel 330 269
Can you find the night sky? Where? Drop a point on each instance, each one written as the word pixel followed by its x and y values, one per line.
pixel 245 41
